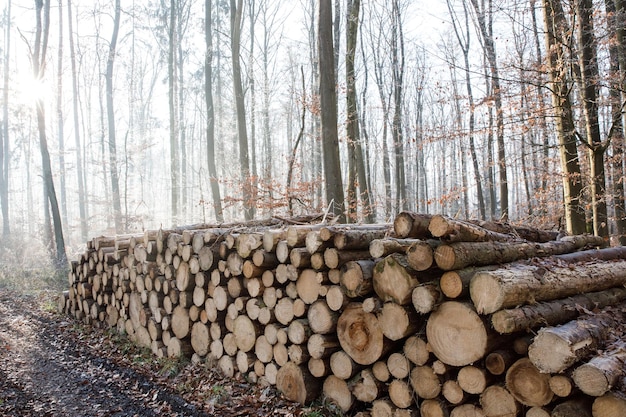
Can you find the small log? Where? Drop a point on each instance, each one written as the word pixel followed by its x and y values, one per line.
pixel 499 361
pixel 457 335
pixel 434 408
pixel 297 384
pixel 298 331
pixel 342 365
pixel 553 312
pixel 609 405
pixel 414 225
pixel 335 258
pixel 360 237
pixel 179 348
pixel 400 393
pixel 200 338
pixel 425 297
pixel 248 243
pixel 472 379
pixel 246 333
pixel 602 372
pixel 337 392
pixel 322 319
pixel 335 298
pixel 420 255
pixel 356 278
pixel 527 385
pixel 398 322
pixel 416 350
pixel 452 392
pixel 367 388
pixel 502 288
pixel 394 280
pixel 309 285
pixel 321 346
pixel 497 401
pixel 379 248
pixel 314 242
pixel 467 410
pixel 181 324
pixel 425 382
pixel 555 349
pixel 380 371
pixel 561 385
pixel 451 230
pixel 578 406
pixel 271 237
pixel 398 365
pixel 590 255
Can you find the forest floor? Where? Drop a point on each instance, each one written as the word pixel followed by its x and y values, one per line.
pixel 50 365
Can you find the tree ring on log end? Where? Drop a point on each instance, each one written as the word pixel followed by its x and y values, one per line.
pixel 486 293
pixel 360 335
pixel 456 334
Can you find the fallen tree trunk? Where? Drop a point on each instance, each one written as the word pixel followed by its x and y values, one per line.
pixel 520 284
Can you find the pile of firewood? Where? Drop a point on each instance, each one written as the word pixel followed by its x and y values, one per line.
pixel 429 316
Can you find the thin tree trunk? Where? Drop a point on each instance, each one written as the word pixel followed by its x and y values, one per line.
pixel 247 181
pixel 38 59
pixel 115 182
pixel 4 132
pixel 82 203
pixel 171 69
pixel 60 119
pixel 210 121
pixel 397 51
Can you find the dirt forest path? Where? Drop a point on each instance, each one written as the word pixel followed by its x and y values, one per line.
pixel 49 366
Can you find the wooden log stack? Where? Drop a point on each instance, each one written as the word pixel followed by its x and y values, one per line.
pixel 429 316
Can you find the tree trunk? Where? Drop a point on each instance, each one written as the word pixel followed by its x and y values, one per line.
pixel 297 384
pixel 210 122
pixel 328 105
pixel 4 132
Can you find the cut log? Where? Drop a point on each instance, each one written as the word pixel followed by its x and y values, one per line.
pixel 467 410
pixel 360 335
pixel 398 322
pixel 394 280
pixel 433 408
pixel 400 393
pixel 609 405
pixel 322 319
pixel 319 368
pixel 499 361
pixel 463 254
pixel 472 379
pixel 297 384
pixel 451 230
pixel 521 284
pixel 314 242
pixel 200 338
pixel 537 412
pixel 367 388
pixel 309 285
pixel 179 348
pixel 602 372
pixel 356 278
pixel 590 255
pixel 271 237
pixel 555 349
pixel 457 335
pixel 561 385
pixel 398 365
pixel 337 392
pixel 343 366
pixel 452 392
pixel 335 298
pixel 321 346
pixel 425 297
pixel 527 385
pixel 360 237
pixel 299 331
pixel 425 382
pixel 526 233
pixel 246 333
pixel 553 312
pixel 379 248
pixel 248 242
pixel 335 258
pixel 579 407
pixel 416 350
pixel 414 225
pixel 181 324
pixel 496 401
pixel 420 255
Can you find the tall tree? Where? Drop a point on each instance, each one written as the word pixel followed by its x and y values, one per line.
pixel 4 129
pixel 82 201
pixel 171 78
pixel 328 110
pixel 42 16
pixel 397 124
pixel 210 119
pixel 115 181
pixel 558 41
pixel 357 176
pixel 61 119
pixel 247 182
pixel 484 15
pixel 590 76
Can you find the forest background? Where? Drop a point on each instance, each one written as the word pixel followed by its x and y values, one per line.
pixel 119 117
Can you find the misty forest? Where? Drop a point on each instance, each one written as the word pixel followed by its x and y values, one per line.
pixel 119 117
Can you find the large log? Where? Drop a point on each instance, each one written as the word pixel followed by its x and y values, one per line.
pixel 521 284
pixel 457 335
pixel 360 335
pixel 414 225
pixel 297 384
pixel 463 254
pixel 555 349
pixel 527 385
pixel 555 312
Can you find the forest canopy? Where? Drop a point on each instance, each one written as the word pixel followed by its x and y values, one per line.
pixel 123 116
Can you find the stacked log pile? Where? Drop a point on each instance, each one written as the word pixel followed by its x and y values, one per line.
pixel 429 316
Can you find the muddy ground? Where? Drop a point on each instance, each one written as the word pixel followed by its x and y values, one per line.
pixel 50 365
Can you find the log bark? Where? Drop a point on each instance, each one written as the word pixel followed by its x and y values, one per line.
pixel 297 384
pixel 579 407
pixel 457 335
pixel 553 312
pixel 414 225
pixel 602 372
pixel 521 284
pixel 360 237
pixel 527 385
pixel 335 258
pixel 451 230
pixel 463 254
pixel 555 349
pixel 394 280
